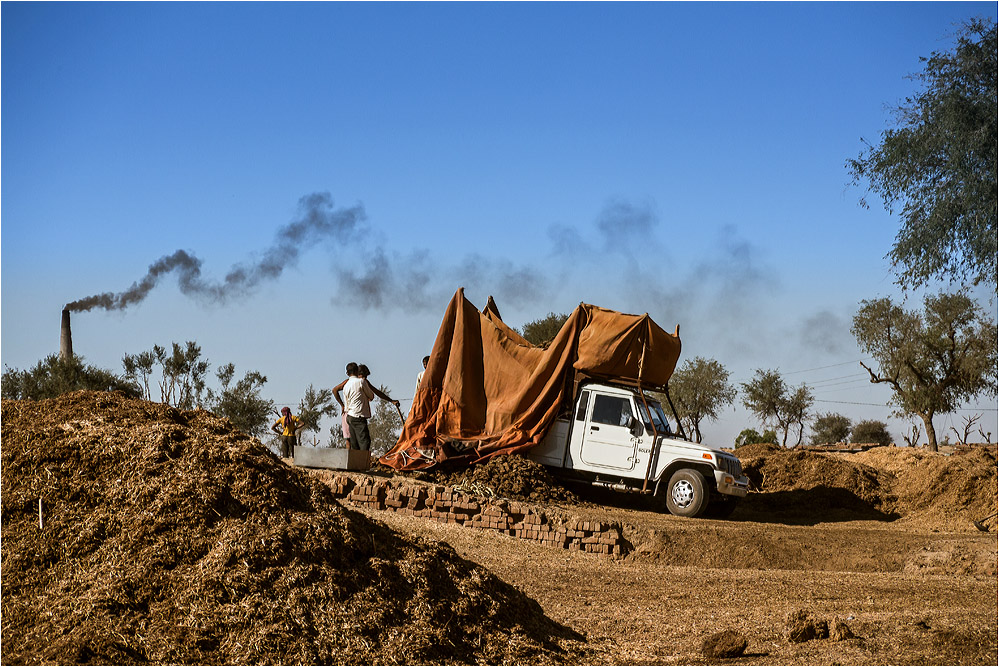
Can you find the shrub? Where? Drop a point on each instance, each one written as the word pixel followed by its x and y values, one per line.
pixel 830 428
pixel 871 431
pixel 749 436
pixel 55 376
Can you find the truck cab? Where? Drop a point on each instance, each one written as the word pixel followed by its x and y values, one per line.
pixel 618 437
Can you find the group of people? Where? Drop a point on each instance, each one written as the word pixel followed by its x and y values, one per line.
pixel 356 404
pixel 355 407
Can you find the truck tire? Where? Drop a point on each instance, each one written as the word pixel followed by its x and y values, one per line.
pixel 686 493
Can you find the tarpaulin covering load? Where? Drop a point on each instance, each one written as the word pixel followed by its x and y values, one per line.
pixel 490 390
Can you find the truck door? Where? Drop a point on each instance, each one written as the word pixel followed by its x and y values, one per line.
pixel 607 442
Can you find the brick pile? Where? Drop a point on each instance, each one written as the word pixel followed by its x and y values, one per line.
pixel 448 505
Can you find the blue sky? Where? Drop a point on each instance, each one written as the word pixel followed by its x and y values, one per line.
pixel 681 159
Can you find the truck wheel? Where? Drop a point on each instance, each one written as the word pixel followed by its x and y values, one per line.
pixel 685 493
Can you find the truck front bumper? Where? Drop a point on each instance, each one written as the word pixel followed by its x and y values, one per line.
pixel 731 485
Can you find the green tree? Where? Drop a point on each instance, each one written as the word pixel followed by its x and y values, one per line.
pixel 775 403
pixel 871 431
pixel 336 436
pixel 939 165
pixel 933 361
pixel 830 428
pixel 182 378
pixel 543 331
pixel 700 389
pixel 138 369
pixel 796 409
pixel 54 376
pixel 749 436
pixel 316 405
pixel 241 403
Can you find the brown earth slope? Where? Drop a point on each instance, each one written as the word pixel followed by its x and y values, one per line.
pixel 170 537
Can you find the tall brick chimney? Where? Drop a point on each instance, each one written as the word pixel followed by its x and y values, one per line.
pixel 65 338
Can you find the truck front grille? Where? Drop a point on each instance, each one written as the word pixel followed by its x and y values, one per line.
pixel 731 465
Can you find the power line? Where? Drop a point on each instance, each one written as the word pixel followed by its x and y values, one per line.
pixel 878 405
pixel 853 385
pixel 883 405
pixel 819 368
pixel 841 377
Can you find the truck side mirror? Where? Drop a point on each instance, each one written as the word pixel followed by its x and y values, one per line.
pixel 636 427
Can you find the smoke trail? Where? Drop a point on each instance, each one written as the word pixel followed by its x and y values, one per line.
pixel 624 226
pixel 417 282
pixel 180 260
pixel 317 220
pixel 825 331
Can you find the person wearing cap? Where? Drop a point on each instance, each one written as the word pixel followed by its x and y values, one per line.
pixel 286 427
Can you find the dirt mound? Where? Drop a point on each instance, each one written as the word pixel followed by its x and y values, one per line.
pixel 801 482
pixel 512 476
pixel 505 476
pixel 935 490
pixel 170 537
pixel 925 489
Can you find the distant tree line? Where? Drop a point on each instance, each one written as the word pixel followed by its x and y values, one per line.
pixel 179 376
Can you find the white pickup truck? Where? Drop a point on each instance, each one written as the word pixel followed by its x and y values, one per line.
pixel 619 438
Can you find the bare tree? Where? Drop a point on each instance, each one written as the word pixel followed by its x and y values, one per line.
pixel 969 423
pixel 912 438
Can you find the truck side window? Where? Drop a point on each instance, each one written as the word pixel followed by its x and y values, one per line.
pixel 584 402
pixel 612 410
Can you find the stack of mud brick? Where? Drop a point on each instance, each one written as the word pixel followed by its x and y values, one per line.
pixel 447 505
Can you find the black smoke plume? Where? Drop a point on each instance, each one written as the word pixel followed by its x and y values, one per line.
pixel 318 220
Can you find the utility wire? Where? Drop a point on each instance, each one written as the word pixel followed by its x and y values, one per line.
pixel 882 405
pixel 839 377
pixel 849 387
pixel 819 368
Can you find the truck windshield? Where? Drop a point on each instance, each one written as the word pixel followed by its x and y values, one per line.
pixel 662 426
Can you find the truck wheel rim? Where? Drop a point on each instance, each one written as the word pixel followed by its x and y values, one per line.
pixel 683 493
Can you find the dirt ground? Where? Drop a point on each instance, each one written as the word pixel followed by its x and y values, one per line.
pixel 133 533
pixel 882 542
pixel 910 596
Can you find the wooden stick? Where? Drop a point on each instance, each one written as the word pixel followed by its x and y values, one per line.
pixel 41 521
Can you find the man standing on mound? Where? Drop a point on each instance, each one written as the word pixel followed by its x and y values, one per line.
pixel 358 395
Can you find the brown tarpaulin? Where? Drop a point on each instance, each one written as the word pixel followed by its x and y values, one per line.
pixel 489 389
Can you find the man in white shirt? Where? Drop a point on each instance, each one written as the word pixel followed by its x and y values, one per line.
pixel 358 394
pixel 419 378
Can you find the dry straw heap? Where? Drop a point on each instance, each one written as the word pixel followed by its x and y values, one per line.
pixel 136 533
pixel 917 488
